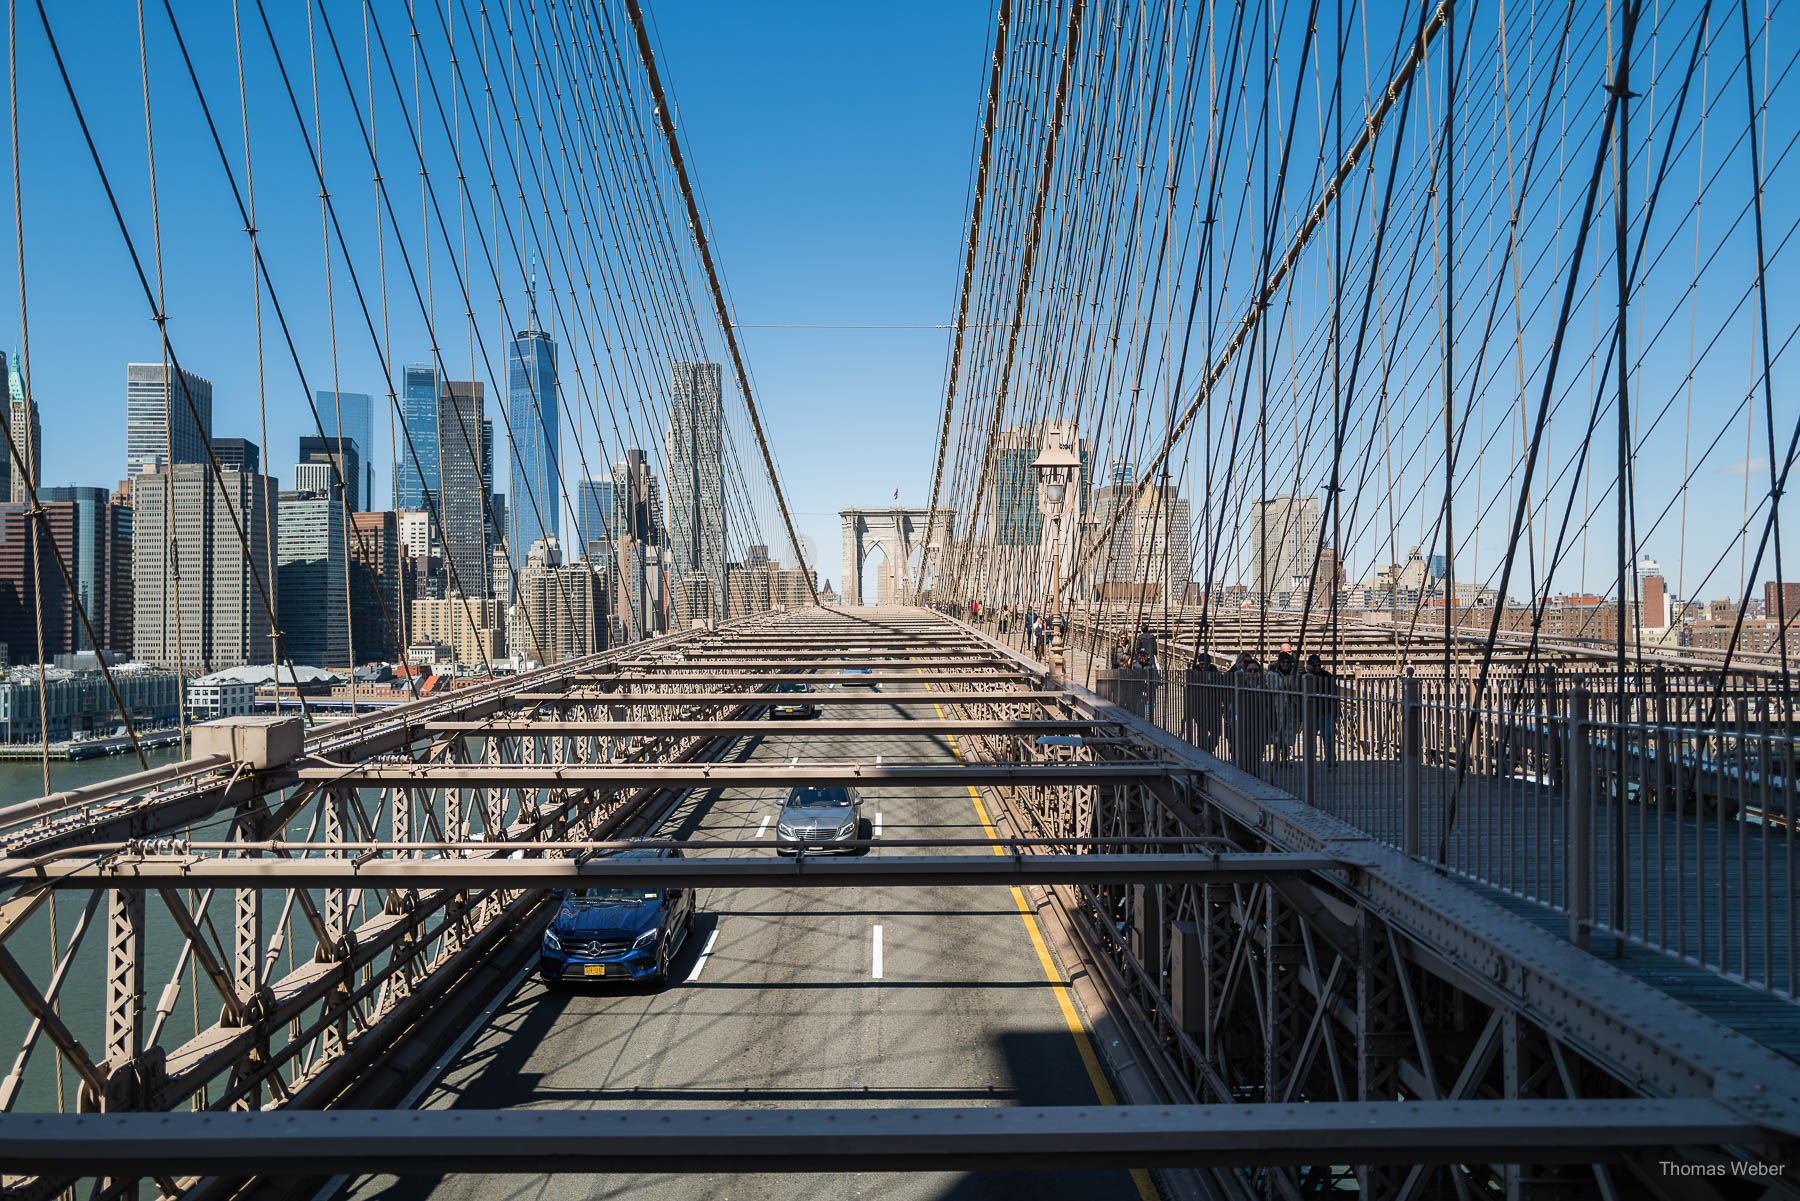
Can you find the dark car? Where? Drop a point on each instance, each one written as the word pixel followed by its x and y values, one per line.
pixel 818 818
pixel 793 708
pixel 608 933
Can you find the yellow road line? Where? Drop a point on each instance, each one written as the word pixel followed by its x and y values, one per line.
pixel 1084 1042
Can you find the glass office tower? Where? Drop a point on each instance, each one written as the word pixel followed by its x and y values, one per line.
pixel 535 489
pixel 416 464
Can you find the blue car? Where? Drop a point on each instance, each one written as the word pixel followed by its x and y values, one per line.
pixel 857 677
pixel 628 934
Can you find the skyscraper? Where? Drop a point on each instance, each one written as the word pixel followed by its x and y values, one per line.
pixel 1016 516
pixel 1148 552
pixel 495 508
pixel 696 483
pixel 28 436
pixel 416 454
pixel 637 532
pixel 238 454
pixel 165 411
pixel 594 519
pixel 317 452
pixel 462 502
pixel 311 564
pixel 1016 508
pixel 101 564
pixel 535 485
pixel 1283 538
pixel 637 500
pixel 100 561
pixel 562 607
pixel 352 415
pixel 93 535
pixel 376 616
pixel 196 605
pixel 6 462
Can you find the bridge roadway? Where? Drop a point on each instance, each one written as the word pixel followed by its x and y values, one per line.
pixel 786 1008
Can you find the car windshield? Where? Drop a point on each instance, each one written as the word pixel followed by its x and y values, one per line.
pixel 613 896
pixel 818 798
pixel 790 686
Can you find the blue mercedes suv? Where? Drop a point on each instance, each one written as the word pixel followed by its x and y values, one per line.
pixel 607 933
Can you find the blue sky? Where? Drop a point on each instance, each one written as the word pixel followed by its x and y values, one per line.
pixel 830 142
pixel 837 197
pixel 832 146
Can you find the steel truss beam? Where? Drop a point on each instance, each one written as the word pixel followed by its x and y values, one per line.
pixel 535 1141
pixel 1020 697
pixel 1470 950
pixel 811 871
pixel 208 787
pixel 727 775
pixel 763 661
pixel 728 674
pixel 815 728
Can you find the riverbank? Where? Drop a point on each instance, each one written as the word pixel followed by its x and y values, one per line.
pixel 89 748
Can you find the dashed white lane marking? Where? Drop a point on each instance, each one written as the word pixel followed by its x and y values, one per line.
pixel 762 829
pixel 877 965
pixel 700 963
pixel 878 825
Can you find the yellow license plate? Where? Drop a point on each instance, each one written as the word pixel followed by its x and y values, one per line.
pixel 594 969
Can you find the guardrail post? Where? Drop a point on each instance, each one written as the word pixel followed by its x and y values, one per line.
pixel 1579 820
pixel 1411 758
pixel 1309 753
pixel 1238 759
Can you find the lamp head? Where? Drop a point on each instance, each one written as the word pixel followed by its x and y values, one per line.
pixel 1055 467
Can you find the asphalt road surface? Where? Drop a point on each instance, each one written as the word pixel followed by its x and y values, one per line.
pixel 786 1010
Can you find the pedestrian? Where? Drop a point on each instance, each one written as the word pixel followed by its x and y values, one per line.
pixel 1250 732
pixel 1202 708
pixel 1144 682
pixel 1325 708
pixel 1120 653
pixel 1284 696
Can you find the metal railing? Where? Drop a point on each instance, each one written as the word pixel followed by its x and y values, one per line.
pixel 1662 815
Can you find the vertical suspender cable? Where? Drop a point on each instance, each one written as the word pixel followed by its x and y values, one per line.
pixel 962 304
pixel 30 466
pixel 666 120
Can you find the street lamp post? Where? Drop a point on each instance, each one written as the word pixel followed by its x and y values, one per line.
pixel 1056 466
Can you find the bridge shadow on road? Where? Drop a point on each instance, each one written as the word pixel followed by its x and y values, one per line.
pixel 1041 1068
